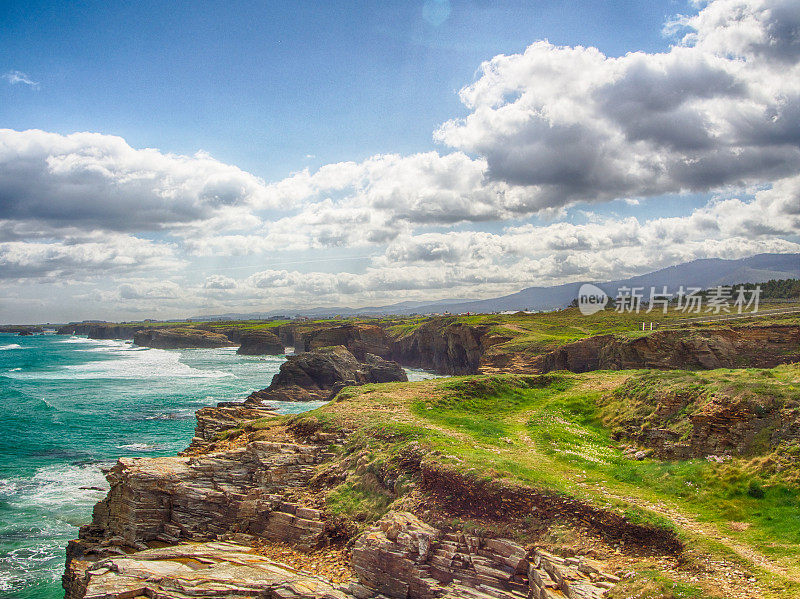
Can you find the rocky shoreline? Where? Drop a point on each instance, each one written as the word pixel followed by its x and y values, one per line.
pixel 210 522
pixel 192 525
pixel 447 346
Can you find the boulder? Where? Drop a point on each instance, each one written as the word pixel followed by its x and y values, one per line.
pixel 378 370
pixel 317 370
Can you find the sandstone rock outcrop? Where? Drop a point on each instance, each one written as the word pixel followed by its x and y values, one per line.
pixel 402 557
pixel 446 346
pixel 752 346
pixel 193 570
pixel 259 343
pixel 685 425
pixel 359 339
pixel 179 338
pixel 213 420
pixel 175 499
pixel 314 375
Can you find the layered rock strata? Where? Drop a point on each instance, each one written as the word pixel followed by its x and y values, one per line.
pixel 180 338
pixel 259 343
pixel 198 498
pixel 194 570
pixel 359 339
pixel 753 346
pixel 314 375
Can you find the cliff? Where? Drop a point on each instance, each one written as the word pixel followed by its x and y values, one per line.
pixel 683 415
pixel 735 347
pixel 257 343
pixel 360 339
pixel 177 338
pixel 316 374
pixel 468 488
pixel 21 329
pixel 445 345
pixel 99 330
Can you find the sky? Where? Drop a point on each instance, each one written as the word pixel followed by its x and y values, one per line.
pixel 173 159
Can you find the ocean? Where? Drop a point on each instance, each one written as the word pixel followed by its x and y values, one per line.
pixel 72 405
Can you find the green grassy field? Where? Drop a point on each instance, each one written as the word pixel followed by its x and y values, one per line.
pixel 556 433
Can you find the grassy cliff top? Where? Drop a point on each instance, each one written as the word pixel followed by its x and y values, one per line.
pixel 558 435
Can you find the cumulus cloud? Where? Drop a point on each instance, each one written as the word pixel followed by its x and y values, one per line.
pixel 546 129
pixel 99 181
pixel 151 290
pixel 219 282
pixel 721 108
pixel 469 263
pixel 79 259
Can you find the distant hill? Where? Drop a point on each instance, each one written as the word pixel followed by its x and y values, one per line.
pixel 702 273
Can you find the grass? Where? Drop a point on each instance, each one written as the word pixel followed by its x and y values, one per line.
pixel 652 584
pixel 556 432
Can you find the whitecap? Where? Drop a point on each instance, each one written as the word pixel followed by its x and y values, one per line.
pixel 127 363
pixel 77 340
pixel 49 486
pixel 146 446
pixel 10 346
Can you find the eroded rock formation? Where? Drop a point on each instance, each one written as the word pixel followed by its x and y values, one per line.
pixel 180 338
pixel 193 570
pixel 258 343
pixel 359 339
pixel 315 374
pixel 446 346
pixel 752 346
pixel 241 494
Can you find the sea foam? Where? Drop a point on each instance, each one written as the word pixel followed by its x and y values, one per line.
pixel 127 362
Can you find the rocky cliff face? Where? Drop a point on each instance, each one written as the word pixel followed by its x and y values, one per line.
pixel 241 495
pixel 359 339
pixel 314 375
pixel 688 419
pixel 259 343
pixel 205 497
pixel 99 330
pixel 180 338
pixel 446 346
pixel 752 346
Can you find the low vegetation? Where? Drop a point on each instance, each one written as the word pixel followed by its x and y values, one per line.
pixel 563 435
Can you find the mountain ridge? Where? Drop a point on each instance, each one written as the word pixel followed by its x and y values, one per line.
pixel 703 272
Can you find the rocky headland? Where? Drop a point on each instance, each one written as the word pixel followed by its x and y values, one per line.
pixel 319 374
pixel 259 343
pixel 180 338
pixel 474 487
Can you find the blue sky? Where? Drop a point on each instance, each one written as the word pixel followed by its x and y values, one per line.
pixel 263 85
pixel 164 159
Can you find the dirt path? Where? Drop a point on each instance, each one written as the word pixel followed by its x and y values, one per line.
pixel 705 529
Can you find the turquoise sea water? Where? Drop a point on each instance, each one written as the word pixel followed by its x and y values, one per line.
pixel 70 406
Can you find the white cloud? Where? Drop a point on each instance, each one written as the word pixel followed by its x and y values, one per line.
pixel 99 181
pixel 79 259
pixel 15 77
pixel 219 282
pixel 721 109
pixel 547 129
pixel 150 290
